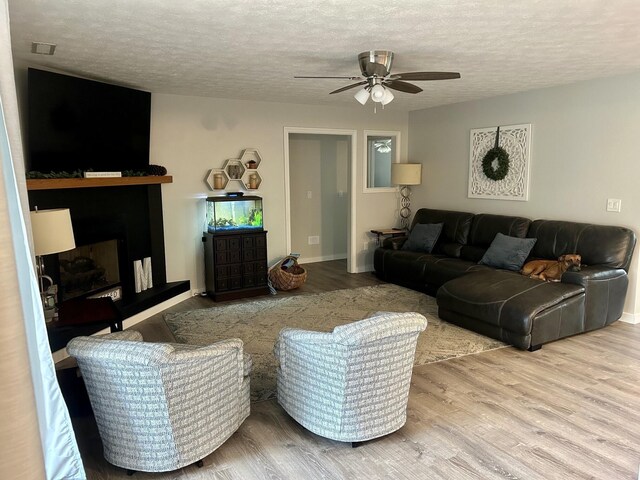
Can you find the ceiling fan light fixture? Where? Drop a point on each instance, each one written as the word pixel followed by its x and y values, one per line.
pixel 377 93
pixel 362 96
pixel 388 96
pixel 376 76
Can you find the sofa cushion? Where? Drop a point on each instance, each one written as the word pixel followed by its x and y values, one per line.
pixel 507 252
pixel 505 299
pixel 423 237
pixel 597 244
pixel 485 227
pixel 404 266
pixel 441 270
pixel 455 228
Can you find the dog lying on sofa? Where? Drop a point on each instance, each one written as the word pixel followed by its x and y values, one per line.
pixel 552 270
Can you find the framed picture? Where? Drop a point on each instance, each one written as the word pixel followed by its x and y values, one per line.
pixel 508 173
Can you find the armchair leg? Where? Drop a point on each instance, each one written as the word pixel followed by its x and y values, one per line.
pixel 533 348
pixel 356 444
pixel 130 472
pixel 200 463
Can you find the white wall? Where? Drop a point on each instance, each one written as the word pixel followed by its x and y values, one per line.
pixel 319 165
pixel 584 150
pixel 190 135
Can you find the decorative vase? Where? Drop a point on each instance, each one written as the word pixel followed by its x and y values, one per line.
pixel 253 181
pixel 218 183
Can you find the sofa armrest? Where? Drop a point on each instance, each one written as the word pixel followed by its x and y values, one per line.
pixel 605 290
pixel 592 274
pixel 394 243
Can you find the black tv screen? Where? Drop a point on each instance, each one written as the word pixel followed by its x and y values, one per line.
pixel 79 124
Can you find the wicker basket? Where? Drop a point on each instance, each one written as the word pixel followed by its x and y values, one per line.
pixel 288 279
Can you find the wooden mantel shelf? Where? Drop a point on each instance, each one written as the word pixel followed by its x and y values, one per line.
pixel 60 183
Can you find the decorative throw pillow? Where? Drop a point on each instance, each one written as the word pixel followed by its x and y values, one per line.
pixel 423 237
pixel 507 252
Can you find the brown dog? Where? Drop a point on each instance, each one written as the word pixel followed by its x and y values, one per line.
pixel 551 270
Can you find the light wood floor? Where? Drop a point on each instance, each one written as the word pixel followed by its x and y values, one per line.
pixel 568 411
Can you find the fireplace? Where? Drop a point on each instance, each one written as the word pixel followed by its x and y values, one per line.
pixel 125 221
pixel 90 270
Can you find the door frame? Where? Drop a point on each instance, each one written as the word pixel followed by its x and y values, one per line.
pixel 351 172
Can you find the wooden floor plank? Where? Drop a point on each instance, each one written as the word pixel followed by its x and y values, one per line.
pixel 568 411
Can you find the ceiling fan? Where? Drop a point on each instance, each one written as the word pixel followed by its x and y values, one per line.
pixel 377 78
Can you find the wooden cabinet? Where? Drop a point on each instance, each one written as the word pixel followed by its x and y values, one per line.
pixel 235 264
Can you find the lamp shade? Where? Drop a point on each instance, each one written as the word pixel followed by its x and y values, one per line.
pixel 406 173
pixel 388 96
pixel 52 231
pixel 362 95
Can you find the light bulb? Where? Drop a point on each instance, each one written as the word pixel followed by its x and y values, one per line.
pixel 388 96
pixel 362 96
pixel 377 93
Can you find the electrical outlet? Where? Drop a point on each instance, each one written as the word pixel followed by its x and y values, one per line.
pixel 314 240
pixel 614 205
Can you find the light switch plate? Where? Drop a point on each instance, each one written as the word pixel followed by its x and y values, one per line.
pixel 614 205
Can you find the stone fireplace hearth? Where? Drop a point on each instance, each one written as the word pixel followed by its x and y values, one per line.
pixel 129 214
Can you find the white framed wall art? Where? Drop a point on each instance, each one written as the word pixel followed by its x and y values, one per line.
pixel 512 172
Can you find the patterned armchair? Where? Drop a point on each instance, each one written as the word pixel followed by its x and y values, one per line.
pixel 162 406
pixel 350 385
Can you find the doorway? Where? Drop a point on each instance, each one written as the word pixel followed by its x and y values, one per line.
pixel 319 191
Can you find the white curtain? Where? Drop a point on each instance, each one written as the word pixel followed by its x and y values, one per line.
pixel 59 449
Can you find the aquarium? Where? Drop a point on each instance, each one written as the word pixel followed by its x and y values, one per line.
pixel 229 214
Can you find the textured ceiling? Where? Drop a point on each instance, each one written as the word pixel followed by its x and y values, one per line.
pixel 251 49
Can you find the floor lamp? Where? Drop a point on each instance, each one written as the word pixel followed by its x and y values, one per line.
pixel 405 174
pixel 52 233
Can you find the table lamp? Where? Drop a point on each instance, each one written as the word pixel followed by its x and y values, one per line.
pixel 52 233
pixel 405 174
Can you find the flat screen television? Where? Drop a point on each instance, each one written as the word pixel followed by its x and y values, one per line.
pixel 79 124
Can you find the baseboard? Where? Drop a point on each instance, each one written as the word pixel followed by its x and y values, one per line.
pixel 323 258
pixel 630 318
pixel 129 322
pixel 363 268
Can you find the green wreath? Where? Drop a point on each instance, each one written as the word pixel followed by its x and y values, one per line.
pixel 501 155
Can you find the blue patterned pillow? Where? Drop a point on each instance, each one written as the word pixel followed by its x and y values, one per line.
pixel 423 237
pixel 507 252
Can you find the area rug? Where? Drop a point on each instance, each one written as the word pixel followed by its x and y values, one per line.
pixel 258 323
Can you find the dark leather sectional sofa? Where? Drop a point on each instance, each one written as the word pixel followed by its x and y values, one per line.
pixel 506 305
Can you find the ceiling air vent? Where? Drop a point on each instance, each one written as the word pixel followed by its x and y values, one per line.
pixel 42 48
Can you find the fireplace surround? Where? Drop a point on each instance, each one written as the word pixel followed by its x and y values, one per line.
pixel 130 214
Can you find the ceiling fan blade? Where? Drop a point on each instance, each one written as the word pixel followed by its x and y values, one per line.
pixel 353 85
pixel 425 76
pixel 402 86
pixel 343 78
